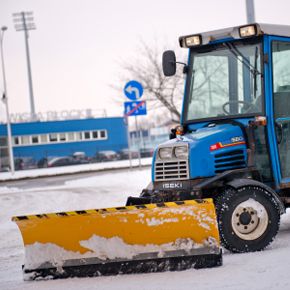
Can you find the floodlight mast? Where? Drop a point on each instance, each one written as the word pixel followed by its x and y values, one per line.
pixel 24 22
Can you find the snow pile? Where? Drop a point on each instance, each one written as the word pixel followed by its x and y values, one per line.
pixel 54 171
pixel 116 248
pixel 103 249
pixel 38 253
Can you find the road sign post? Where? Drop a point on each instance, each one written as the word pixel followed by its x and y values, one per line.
pixel 129 141
pixel 138 133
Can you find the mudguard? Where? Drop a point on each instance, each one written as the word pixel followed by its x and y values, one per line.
pixel 238 183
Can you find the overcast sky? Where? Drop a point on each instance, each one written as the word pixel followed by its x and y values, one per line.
pixel 77 46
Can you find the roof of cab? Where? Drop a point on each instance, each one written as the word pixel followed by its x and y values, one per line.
pixel 233 32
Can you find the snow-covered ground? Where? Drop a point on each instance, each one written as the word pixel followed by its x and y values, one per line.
pixel 264 270
pixel 54 171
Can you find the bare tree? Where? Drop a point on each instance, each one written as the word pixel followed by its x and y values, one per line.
pixel 161 92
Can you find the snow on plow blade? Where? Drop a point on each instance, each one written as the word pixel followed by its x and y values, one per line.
pixel 133 239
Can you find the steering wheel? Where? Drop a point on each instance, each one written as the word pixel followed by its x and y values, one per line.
pixel 248 104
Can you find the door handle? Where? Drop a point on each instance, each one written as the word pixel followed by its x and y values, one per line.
pixel 279 127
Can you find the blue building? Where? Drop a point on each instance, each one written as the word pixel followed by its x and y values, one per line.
pixel 64 137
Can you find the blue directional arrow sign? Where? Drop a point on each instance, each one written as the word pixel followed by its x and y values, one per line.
pixel 135 108
pixel 133 90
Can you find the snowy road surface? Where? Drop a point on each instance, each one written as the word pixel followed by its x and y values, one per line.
pixel 82 168
pixel 265 270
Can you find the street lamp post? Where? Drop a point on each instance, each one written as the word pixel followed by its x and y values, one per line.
pixel 5 100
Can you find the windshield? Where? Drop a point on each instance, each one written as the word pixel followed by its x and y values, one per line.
pixel 224 82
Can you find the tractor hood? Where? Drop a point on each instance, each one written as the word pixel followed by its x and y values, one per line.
pixel 211 150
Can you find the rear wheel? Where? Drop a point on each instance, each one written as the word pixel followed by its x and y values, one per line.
pixel 248 218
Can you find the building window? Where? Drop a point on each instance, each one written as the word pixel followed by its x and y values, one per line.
pixel 53 137
pixel 87 135
pixel 70 136
pixel 16 141
pixel 95 134
pixel 43 138
pixel 25 140
pixel 79 136
pixel 103 134
pixel 3 141
pixel 4 157
pixel 35 139
pixel 62 137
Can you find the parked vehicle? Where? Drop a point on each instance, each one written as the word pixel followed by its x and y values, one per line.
pixel 42 163
pixel 4 169
pixel 51 161
pixel 146 152
pixel 106 155
pixel 22 163
pixel 124 154
pixel 61 161
pixel 81 158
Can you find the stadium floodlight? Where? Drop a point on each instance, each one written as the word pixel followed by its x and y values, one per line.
pixel 23 21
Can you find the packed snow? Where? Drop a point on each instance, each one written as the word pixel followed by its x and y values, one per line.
pixel 38 253
pixel 54 171
pixel 112 248
pixel 116 248
pixel 263 270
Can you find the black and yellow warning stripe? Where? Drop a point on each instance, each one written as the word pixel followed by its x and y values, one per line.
pixel 113 209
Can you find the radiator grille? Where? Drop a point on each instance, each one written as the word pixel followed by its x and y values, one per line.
pixel 171 170
pixel 230 160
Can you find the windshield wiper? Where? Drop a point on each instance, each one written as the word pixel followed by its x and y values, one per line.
pixel 245 61
pixel 255 74
pixel 253 69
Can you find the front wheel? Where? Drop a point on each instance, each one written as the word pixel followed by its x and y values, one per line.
pixel 248 218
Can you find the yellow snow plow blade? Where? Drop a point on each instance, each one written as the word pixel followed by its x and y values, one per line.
pixel 132 239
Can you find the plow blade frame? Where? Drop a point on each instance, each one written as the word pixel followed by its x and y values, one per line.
pixel 130 267
pixel 159 237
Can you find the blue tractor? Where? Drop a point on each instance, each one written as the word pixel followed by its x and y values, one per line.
pixel 224 175
pixel 233 143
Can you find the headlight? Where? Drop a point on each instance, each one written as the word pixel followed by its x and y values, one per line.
pixel 181 152
pixel 191 40
pixel 249 30
pixel 165 153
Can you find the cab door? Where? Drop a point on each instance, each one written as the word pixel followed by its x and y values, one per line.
pixel 280 62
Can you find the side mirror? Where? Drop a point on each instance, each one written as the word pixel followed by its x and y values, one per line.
pixel 169 63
